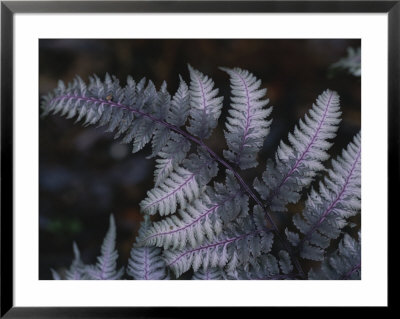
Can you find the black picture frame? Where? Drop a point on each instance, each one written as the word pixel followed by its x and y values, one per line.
pixel 9 8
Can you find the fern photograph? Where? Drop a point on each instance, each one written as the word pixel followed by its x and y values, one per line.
pixel 200 159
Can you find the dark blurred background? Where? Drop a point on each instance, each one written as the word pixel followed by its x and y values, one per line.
pixel 84 174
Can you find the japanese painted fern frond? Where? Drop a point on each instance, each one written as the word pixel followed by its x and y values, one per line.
pixel 326 211
pixel 247 124
pixel 296 164
pixel 218 230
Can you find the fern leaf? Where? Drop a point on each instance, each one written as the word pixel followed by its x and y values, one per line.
pixel 296 164
pixel 205 106
pixel 285 262
pixel 339 197
pixel 266 267
pixel 180 106
pixel 231 249
pixel 180 187
pixel 171 155
pixel 203 164
pixel 203 218
pixel 247 124
pixel 215 253
pixel 195 224
pixel 209 274
pixel 293 237
pixel 137 112
pixel 146 263
pixel 162 133
pixel 106 267
pixel 351 63
pixel 343 264
pixel 233 203
pixel 168 145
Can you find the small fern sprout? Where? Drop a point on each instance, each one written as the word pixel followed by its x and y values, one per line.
pixel 106 266
pixel 351 63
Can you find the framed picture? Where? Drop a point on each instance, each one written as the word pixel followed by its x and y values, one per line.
pixel 148 146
